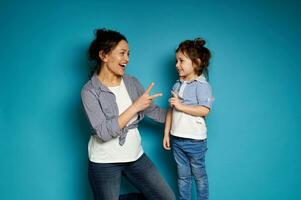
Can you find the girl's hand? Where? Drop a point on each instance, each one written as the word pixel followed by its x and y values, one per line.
pixel 145 100
pixel 166 143
pixel 175 101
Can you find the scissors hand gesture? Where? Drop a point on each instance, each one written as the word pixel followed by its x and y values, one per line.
pixel 145 100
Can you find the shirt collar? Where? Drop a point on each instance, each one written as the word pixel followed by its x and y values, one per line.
pixel 200 78
pixel 97 84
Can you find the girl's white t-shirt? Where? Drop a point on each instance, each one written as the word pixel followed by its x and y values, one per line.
pixel 111 151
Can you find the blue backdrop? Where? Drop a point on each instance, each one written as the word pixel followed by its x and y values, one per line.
pixel 254 135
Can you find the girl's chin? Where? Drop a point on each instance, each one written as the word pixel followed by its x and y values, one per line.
pixel 181 74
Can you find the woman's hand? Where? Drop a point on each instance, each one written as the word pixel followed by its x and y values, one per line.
pixel 145 100
pixel 166 142
pixel 140 104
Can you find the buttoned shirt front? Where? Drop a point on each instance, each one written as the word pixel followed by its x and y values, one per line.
pixel 195 93
pixel 102 111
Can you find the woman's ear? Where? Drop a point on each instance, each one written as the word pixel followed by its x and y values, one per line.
pixel 103 56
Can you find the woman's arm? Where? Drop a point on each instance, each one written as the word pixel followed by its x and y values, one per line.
pixel 152 111
pixel 142 103
pixel 105 129
pixel 108 129
pixel 156 113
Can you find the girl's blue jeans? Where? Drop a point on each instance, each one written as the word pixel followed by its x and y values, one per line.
pixel 189 155
pixel 105 180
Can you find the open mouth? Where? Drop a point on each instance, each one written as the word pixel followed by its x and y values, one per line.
pixel 123 65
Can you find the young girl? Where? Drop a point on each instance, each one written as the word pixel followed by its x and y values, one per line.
pixel 185 120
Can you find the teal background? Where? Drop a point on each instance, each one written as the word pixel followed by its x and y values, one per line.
pixel 254 135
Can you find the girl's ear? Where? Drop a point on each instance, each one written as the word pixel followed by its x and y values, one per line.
pixel 103 56
pixel 199 62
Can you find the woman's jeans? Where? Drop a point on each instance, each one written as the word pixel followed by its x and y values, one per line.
pixel 105 180
pixel 189 155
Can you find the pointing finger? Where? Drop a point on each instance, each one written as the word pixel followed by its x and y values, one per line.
pixel 155 96
pixel 175 95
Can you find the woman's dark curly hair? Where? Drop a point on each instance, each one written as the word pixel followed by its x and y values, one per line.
pixel 106 41
pixel 199 54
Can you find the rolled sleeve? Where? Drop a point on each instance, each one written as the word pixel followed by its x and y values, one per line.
pixel 156 113
pixel 106 129
pixel 204 95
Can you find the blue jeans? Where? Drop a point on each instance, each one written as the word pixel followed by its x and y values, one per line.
pixel 189 155
pixel 105 180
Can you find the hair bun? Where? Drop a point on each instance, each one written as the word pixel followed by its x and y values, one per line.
pixel 101 32
pixel 199 42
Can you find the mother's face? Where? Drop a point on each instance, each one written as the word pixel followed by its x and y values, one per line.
pixel 117 59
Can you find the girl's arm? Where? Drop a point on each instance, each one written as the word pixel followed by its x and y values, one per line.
pixel 200 111
pixel 168 121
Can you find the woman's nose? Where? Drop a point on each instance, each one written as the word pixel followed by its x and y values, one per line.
pixel 127 58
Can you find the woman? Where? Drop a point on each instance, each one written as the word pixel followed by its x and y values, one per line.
pixel 115 103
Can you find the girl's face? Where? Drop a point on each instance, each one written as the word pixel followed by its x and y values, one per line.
pixel 117 59
pixel 185 67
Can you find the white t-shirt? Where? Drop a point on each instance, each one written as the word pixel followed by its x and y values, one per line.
pixel 111 151
pixel 195 92
pixel 188 126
